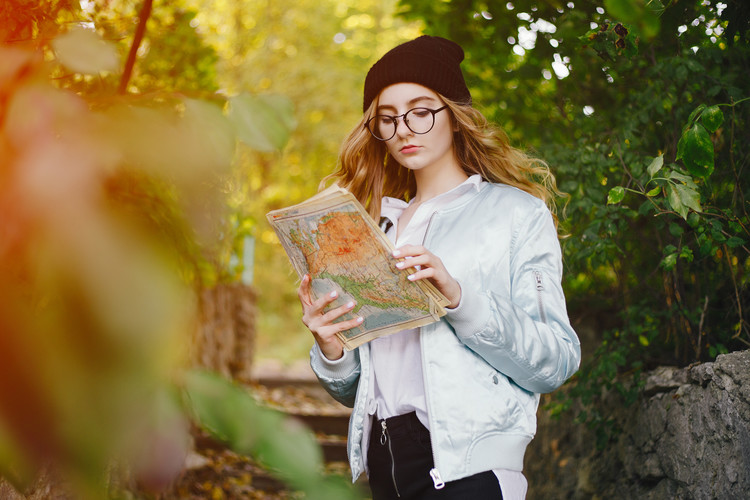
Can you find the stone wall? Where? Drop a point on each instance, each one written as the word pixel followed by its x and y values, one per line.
pixel 687 437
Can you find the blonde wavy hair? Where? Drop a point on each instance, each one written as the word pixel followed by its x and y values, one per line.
pixel 367 170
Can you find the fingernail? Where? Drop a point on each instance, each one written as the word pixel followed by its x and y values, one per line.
pixel 399 265
pixel 350 305
pixel 396 253
pixel 412 277
pixel 334 293
pixel 360 319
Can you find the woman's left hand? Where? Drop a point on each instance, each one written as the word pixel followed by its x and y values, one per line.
pixel 431 268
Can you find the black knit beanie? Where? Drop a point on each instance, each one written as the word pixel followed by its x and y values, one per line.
pixel 428 60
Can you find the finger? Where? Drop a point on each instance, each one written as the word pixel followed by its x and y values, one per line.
pixel 322 302
pixel 424 273
pixel 327 334
pixel 420 260
pixel 329 331
pixel 348 324
pixel 314 317
pixel 334 314
pixel 303 291
pixel 409 251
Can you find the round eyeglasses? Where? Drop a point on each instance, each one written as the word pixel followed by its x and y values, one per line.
pixel 418 120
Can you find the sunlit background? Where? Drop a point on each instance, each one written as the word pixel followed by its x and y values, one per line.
pixel 142 144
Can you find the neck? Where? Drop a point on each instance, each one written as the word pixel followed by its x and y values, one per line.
pixel 431 184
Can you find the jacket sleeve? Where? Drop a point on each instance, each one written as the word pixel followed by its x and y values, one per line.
pixel 340 377
pixel 524 333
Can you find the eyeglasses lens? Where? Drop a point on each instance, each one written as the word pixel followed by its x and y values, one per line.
pixel 418 120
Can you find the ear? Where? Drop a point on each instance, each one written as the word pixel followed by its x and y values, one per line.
pixel 454 124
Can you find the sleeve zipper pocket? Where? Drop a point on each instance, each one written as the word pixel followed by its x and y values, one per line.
pixel 539 290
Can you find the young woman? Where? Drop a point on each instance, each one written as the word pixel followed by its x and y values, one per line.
pixel 447 410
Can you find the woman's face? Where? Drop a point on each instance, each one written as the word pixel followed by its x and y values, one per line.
pixel 431 151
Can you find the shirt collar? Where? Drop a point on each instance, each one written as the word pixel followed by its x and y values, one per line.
pixel 392 207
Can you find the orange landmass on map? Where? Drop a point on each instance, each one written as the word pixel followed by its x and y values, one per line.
pixel 341 238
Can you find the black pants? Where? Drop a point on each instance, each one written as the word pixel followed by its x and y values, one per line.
pixel 400 460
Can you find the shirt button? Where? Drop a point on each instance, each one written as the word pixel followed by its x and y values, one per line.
pixel 372 407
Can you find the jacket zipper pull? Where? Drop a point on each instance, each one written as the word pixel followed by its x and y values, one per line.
pixel 383 437
pixel 436 479
pixel 538 277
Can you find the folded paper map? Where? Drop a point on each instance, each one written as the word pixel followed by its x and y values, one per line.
pixel 332 238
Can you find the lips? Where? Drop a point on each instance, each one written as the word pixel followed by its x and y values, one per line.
pixel 409 148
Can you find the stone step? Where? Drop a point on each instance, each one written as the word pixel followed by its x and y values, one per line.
pixel 334 425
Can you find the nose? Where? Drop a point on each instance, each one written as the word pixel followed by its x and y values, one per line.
pixel 402 129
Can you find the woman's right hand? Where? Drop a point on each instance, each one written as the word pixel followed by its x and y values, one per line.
pixel 321 323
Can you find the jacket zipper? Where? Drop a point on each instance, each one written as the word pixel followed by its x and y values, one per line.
pixel 385 437
pixel 539 290
pixel 437 480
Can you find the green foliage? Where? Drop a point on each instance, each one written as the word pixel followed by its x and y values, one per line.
pixel 639 109
pixel 280 443
pixel 91 306
pixel 113 214
pixel 611 41
pixel 696 150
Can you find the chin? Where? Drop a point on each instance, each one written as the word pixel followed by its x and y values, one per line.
pixel 411 164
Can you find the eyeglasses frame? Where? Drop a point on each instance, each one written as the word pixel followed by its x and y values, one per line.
pixel 406 122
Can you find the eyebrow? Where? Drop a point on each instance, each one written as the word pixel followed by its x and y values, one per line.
pixel 410 103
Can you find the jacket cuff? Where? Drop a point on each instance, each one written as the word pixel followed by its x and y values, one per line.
pixel 470 315
pixel 332 369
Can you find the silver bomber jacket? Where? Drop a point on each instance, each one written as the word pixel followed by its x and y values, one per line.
pixel 486 362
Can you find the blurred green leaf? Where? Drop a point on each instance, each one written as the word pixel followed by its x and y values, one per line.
pixel 699 109
pixel 686 254
pixel 675 202
pixel 669 261
pixel 682 198
pixel 285 445
pixel 643 14
pixel 689 197
pixel 622 9
pixel 735 242
pixel 185 142
pixel 212 132
pixel 697 151
pixel 83 51
pixel 616 195
pixel 685 179
pixel 655 165
pixel 263 122
pixel 676 229
pixel 712 118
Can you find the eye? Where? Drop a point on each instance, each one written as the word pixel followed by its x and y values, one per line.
pixel 384 120
pixel 420 112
